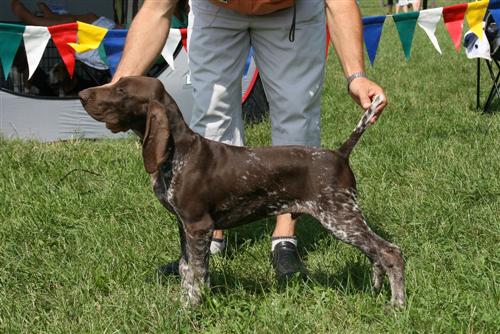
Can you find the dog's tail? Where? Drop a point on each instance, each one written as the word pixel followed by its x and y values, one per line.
pixel 353 139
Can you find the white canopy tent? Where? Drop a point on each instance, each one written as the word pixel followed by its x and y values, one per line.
pixel 47 119
pixel 27 116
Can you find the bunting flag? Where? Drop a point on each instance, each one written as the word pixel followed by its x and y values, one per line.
pixel 102 54
pixel 372 31
pixel 453 17
pixel 89 37
pixel 405 23
pixel 184 37
pixel 11 36
pixel 428 20
pixel 474 15
pixel 494 9
pixel 173 40
pixel 35 42
pixel 82 37
pixel 248 62
pixel 62 35
pixel 114 43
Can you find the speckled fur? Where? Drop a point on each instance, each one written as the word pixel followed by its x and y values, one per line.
pixel 209 185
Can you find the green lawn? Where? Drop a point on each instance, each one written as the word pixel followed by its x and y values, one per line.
pixel 81 232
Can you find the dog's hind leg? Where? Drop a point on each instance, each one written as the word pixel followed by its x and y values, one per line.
pixel 193 267
pixel 343 218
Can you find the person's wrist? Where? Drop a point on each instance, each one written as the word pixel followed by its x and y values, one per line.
pixel 354 76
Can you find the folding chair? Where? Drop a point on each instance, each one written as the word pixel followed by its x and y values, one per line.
pixel 493 37
pixel 495 87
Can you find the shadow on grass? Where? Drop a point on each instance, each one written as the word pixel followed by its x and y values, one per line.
pixel 354 277
pixel 309 232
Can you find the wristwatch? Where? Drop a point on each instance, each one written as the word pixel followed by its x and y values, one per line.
pixel 353 76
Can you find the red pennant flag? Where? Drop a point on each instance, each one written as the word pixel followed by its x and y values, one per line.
pixel 453 17
pixel 184 38
pixel 62 35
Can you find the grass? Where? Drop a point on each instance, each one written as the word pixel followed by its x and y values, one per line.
pixel 81 231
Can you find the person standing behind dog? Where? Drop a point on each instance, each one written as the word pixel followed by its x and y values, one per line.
pixel 390 7
pixel 405 4
pixel 288 39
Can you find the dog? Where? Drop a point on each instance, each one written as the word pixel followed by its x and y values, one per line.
pixel 61 82
pixel 210 185
pixel 21 83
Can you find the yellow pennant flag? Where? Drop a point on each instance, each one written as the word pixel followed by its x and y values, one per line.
pixel 475 14
pixel 89 37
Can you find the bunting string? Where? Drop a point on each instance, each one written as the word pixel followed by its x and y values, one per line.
pixel 80 37
pixel 453 18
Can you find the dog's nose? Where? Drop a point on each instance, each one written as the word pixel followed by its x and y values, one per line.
pixel 84 96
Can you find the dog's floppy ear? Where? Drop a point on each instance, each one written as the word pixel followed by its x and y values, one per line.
pixel 154 145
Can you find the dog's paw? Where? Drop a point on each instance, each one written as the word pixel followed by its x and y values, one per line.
pixel 397 303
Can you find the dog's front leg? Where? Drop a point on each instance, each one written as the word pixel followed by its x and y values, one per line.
pixel 182 239
pixel 193 267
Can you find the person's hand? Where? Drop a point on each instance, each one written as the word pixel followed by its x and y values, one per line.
pixel 107 84
pixel 363 90
pixel 114 80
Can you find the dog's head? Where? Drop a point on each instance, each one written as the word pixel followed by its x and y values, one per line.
pixel 133 103
pixel 61 82
pixel 58 74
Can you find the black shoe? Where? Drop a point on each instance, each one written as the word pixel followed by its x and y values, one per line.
pixel 169 269
pixel 287 262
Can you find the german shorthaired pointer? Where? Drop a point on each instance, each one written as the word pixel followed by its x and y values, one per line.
pixel 210 185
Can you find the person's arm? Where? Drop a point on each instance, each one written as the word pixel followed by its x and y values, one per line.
pixel 346 31
pixel 146 37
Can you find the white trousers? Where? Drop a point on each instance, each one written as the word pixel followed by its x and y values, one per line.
pixel 292 73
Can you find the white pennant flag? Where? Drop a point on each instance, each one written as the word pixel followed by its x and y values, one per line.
pixel 173 40
pixel 35 41
pixel 428 20
pixel 476 47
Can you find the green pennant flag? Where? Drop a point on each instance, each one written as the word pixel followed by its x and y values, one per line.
pixel 405 23
pixel 11 36
pixel 102 53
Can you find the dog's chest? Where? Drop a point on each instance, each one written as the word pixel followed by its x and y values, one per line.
pixel 162 186
pixel 164 183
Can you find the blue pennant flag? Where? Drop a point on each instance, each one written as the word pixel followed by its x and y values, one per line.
pixel 248 62
pixel 494 9
pixel 114 43
pixel 372 30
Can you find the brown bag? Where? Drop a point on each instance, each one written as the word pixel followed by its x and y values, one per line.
pixel 254 7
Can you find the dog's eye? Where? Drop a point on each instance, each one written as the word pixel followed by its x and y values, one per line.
pixel 120 91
